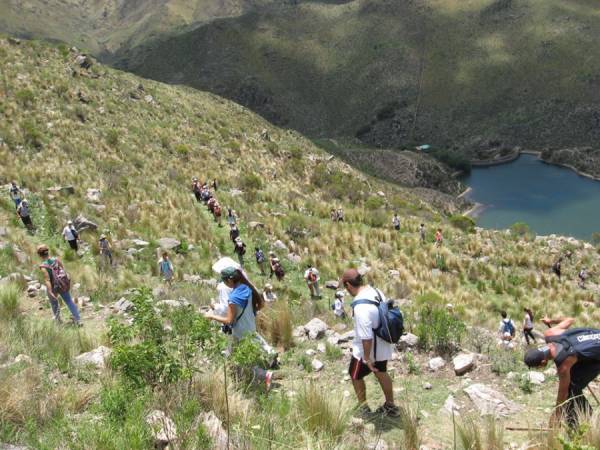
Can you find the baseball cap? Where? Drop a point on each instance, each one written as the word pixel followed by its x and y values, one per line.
pixel 228 273
pixel 535 356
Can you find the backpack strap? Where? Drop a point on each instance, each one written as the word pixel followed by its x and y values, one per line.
pixel 374 303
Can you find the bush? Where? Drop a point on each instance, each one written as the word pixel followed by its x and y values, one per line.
pixel 438 330
pixel 374 203
pixel 25 97
pixel 182 150
pixel 455 160
pixel 112 138
pixel 251 181
pixel 9 301
pixel 520 229
pixel 464 223
pixel 248 353
pixel 31 134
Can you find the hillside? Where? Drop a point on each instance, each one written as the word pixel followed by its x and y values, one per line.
pixel 139 143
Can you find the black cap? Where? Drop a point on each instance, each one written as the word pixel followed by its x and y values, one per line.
pixel 534 357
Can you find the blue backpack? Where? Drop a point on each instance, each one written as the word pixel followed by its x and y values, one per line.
pixel 391 321
pixel 509 327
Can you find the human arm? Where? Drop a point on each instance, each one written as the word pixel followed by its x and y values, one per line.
pixel 48 283
pixel 564 380
pixel 367 346
pixel 561 324
pixel 227 319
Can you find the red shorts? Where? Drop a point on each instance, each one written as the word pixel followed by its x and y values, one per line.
pixel 358 369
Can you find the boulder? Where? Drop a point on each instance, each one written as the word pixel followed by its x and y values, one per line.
pixel 215 431
pixel 436 364
pixel 167 243
pixel 535 377
pixel 256 225
pixel 139 243
pixel 334 339
pixel 315 328
pixel 67 190
pixel 162 428
pixel 81 224
pixel 332 284
pixel 96 357
pixel 489 401
pixel 20 255
pixel 463 363
pixel 317 365
pixel 278 245
pixel 122 305
pixel 295 258
pixel 93 195
pixel 347 336
pixel 408 340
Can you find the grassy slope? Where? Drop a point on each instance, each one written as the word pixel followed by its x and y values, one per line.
pixel 518 73
pixel 142 155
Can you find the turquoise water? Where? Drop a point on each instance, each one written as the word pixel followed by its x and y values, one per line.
pixel 548 198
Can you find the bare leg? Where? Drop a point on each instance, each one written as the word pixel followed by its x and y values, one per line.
pixel 386 385
pixel 360 388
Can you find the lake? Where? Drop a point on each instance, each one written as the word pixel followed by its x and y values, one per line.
pixel 550 199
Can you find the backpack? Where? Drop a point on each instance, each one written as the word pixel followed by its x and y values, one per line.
pixel 509 327
pixel 75 233
pixel 556 267
pixel 391 321
pixel 260 257
pixel 59 278
pixel 312 277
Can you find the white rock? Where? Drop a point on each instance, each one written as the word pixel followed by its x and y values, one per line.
pixel 317 365
pixel 347 336
pixel 214 429
pixel 96 357
pixel 427 386
pixel 181 303
pixel 162 427
pixel 393 273
pixel 463 363
pixel 168 243
pixel 321 347
pixel 279 245
pixel 23 358
pixel 122 305
pixel 436 364
pixel 315 328
pixel 550 372
pixel 489 401
pixel 450 406
pixel 311 352
pixel 535 377
pixel 139 243
pixel 409 339
pixel 295 258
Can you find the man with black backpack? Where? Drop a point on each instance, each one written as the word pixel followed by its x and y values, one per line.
pixel 506 330
pixel 57 283
pixel 370 352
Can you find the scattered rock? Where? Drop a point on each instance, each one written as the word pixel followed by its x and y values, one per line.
pixel 436 364
pixel 66 190
pixel 11 446
pixel 450 406
pixel 256 225
pixel 427 386
pixel 162 427
pixel 489 401
pixel 81 223
pixel 20 255
pixel 393 273
pixel 181 303
pixel 97 208
pixel 463 363
pixel 317 365
pixel 23 359
pixel 93 195
pixel 321 347
pixel 435 273
pixel 535 377
pixel 3 232
pixel 332 284
pixel 347 336
pixel 139 243
pixel 167 243
pixel 279 245
pixel 315 328
pixel 408 340
pixel 82 301
pixel 122 305
pixel 215 431
pixel 310 352
pixel 96 357
pixel 550 372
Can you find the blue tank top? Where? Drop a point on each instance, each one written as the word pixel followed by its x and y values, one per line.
pixel 581 342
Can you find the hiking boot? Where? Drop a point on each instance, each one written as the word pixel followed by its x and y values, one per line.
pixel 388 410
pixel 364 411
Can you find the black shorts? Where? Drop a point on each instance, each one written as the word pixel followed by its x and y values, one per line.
pixel 397 227
pixel 358 369
pixel 73 244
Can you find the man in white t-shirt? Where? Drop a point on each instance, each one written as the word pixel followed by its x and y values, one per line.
pixel 370 353
pixel 70 235
pixel 311 276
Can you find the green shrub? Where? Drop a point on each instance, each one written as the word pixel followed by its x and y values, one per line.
pixel 251 182
pixel 453 159
pixel 112 138
pixel 32 136
pixel 25 97
pixel 464 223
pixel 520 229
pixel 248 353
pixel 182 150
pixel 438 330
pixel 504 361
pixel 374 202
pixel 9 301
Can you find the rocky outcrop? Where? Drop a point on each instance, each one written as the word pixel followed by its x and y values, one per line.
pixel 96 357
pixel 489 401
pixel 163 429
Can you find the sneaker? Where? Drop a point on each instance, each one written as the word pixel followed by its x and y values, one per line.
pixel 388 410
pixel 268 379
pixel 364 411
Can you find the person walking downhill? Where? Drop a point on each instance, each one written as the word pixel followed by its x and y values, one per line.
pixel 24 214
pixel 311 276
pixel 557 268
pixel 16 195
pixel 422 233
pixel 583 276
pixel 166 269
pixel 576 354
pixel 340 215
pixel 260 260
pixel 276 267
pixel 105 250
pixel 338 305
pixel 439 239
pixel 268 294
pixel 333 215
pixel 396 222
pixel 217 213
pixel 234 232
pixel 528 325
pixel 57 283
pixel 370 353
pixel 231 218
pixel 71 235
pixel 239 248
pixel 506 330
pixel 197 189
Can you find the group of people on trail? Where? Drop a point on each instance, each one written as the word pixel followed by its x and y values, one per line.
pixel 507 329
pixel 336 215
pixel 204 195
pixel 582 275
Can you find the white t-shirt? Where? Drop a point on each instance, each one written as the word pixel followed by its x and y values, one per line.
pixel 366 318
pixel 314 271
pixel 338 307
pixel 223 292
pixel 68 233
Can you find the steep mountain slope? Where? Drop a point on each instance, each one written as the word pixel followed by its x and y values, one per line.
pixel 139 142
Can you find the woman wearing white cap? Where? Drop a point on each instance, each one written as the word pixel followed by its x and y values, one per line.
pixel 70 235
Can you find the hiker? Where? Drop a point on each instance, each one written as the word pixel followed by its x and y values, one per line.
pixel 83 61
pixel 338 305
pixel 576 353
pixel 105 249
pixel 311 276
pixel 268 293
pixel 211 203
pixel 217 213
pixel 422 233
pixel 234 232
pixel 71 235
pixel 214 184
pixel 276 267
pixel 528 325
pixel 239 248
pixel 16 195
pixel 370 353
pixel 243 304
pixel 557 268
pixel 333 215
pixel 340 215
pixel 439 239
pixel 196 189
pixel 165 267
pixel 582 275
pixel 569 254
pixel 57 283
pixel 506 330
pixel 231 218
pixel 396 222
pixel 260 260
pixel 25 215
